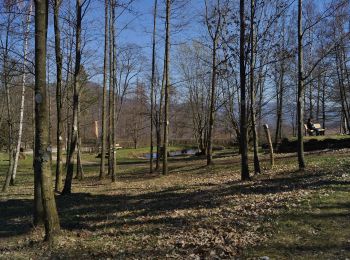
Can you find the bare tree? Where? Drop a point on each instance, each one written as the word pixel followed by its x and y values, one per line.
pixel 42 148
pixel 252 87
pixel 77 84
pixel 59 98
pixel 153 81
pixel 214 26
pixel 112 92
pixel 104 94
pixel 243 116
pixel 6 77
pixel 167 89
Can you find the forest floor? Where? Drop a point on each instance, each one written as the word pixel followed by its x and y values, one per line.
pixel 194 212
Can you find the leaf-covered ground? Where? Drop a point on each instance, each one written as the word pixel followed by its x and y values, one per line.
pixel 195 212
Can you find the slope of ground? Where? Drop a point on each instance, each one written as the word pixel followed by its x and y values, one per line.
pixel 194 212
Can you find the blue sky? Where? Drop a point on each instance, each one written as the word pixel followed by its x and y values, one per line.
pixel 139 25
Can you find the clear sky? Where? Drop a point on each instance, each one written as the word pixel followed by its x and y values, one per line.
pixel 137 27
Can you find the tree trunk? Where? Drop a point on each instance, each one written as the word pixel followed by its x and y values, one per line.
pixel 324 103
pixel 160 120
pixel 8 108
pixel 74 132
pixel 59 102
pixel 104 96
pixel 300 101
pixel 243 116
pixel 38 215
pixel 153 82
pixel 343 97
pixel 167 89
pixel 42 148
pixel 80 170
pixel 114 84
pixel 257 169
pixel 212 101
pixel 20 130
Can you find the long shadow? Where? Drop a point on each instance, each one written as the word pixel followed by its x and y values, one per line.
pixel 15 217
pixel 82 210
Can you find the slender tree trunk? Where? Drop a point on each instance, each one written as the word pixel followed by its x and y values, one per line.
pixel 8 108
pixel 20 130
pixel 104 96
pixel 324 103
pixel 257 169
pixel 38 215
pixel 114 84
pixel 153 82
pixel 69 87
pixel 42 148
pixel 343 98
pixel 243 126
pixel 318 98
pixel 280 94
pixel 311 105
pixel 80 170
pixel 74 132
pixel 167 90
pixel 160 120
pixel 59 101
pixel 280 90
pixel 48 96
pixel 212 101
pixel 110 93
pixel 300 101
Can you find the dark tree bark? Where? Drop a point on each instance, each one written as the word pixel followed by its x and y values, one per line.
pixel 5 77
pixel 257 169
pixel 160 120
pixel 243 116
pixel 167 89
pixel 42 148
pixel 113 93
pixel 280 91
pixel 59 99
pixel 74 132
pixel 300 100
pixel 104 96
pixel 153 82
pixel 214 35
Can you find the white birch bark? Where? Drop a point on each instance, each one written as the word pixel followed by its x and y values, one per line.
pixel 20 130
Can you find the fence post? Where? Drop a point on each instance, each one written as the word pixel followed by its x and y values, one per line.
pixel 268 137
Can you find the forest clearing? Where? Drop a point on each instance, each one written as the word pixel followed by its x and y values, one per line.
pixel 175 129
pixel 193 212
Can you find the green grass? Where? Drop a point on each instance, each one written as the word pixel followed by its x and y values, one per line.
pixel 319 226
pixel 321 137
pixel 318 229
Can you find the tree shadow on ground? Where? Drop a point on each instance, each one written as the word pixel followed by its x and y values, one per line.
pixel 84 211
pixel 15 217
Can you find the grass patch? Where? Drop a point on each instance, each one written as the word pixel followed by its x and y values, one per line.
pixel 321 137
pixel 313 143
